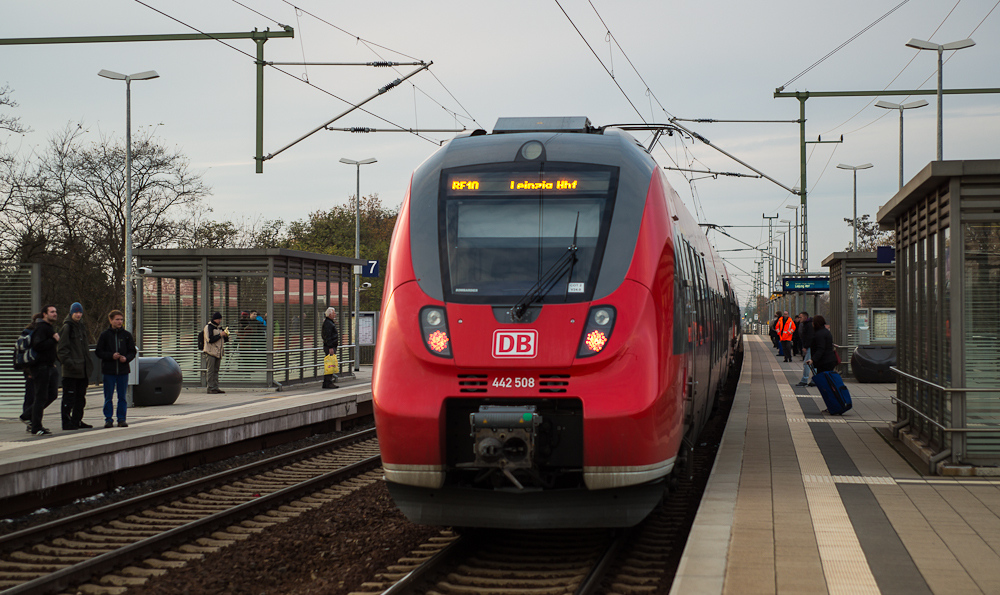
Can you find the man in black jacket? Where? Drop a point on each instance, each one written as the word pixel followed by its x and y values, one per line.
pixel 43 372
pixel 115 349
pixel 76 367
pixel 331 341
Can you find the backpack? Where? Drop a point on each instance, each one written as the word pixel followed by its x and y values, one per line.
pixel 201 340
pixel 24 355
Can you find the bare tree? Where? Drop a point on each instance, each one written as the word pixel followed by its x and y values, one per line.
pixel 67 210
pixel 8 122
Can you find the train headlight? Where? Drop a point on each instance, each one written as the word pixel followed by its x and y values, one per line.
pixel 434 331
pixel 597 331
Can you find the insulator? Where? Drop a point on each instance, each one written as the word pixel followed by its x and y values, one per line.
pixel 382 64
pixel 389 86
pixel 361 129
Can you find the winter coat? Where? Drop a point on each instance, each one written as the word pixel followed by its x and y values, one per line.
pixel 331 337
pixel 43 341
pixel 823 356
pixel 73 349
pixel 806 333
pixel 114 341
pixel 214 340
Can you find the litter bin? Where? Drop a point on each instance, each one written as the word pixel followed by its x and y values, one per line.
pixel 870 363
pixel 160 382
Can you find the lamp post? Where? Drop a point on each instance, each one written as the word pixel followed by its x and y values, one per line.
pixel 798 261
pixel 920 44
pixel 357 255
pixel 854 169
pixel 128 78
pixel 901 107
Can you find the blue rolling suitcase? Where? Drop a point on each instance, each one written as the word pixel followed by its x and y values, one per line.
pixel 835 394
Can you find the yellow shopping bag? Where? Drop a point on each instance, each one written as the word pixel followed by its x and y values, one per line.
pixel 330 365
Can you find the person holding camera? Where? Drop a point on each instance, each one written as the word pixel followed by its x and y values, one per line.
pixel 215 339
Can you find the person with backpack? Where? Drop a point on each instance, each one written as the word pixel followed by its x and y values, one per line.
pixel 20 355
pixel 76 368
pixel 214 348
pixel 44 340
pixel 115 349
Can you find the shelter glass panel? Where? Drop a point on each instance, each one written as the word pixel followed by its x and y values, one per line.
pixel 982 335
pixel 171 309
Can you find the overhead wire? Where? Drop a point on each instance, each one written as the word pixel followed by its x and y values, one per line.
pixel 845 44
pixel 898 74
pixel 371 44
pixel 285 72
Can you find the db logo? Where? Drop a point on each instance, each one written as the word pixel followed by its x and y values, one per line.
pixel 515 343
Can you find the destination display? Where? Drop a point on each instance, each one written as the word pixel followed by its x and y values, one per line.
pixel 791 284
pixel 497 183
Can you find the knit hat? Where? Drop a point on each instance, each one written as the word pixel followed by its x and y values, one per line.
pixel 217 316
pixel 76 307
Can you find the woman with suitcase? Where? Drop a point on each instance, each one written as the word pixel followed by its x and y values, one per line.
pixel 824 360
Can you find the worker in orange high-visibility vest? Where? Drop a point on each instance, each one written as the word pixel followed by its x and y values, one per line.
pixel 787 331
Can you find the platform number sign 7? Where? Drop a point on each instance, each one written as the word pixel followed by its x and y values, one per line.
pixel 370 269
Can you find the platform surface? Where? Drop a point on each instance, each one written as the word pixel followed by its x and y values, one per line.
pixel 803 502
pixel 196 421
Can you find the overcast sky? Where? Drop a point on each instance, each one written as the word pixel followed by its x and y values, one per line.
pixel 712 59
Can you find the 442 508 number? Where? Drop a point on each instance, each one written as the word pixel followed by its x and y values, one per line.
pixel 513 382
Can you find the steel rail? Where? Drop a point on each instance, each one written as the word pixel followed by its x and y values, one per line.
pixel 600 570
pixel 41 532
pixel 107 562
pixel 410 580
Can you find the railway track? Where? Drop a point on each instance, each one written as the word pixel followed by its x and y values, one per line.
pixel 165 529
pixel 640 561
pixel 487 562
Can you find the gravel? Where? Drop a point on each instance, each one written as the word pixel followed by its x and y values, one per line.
pixel 331 550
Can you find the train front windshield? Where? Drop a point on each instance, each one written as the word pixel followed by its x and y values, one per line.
pixel 503 230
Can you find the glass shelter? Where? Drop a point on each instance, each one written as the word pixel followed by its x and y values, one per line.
pixel 273 302
pixel 862 301
pixel 947 224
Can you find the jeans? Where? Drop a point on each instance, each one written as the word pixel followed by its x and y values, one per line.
pixel 806 372
pixel 111 382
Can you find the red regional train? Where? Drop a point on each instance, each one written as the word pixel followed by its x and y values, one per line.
pixel 555 328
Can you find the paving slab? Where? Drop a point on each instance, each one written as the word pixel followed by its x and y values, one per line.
pixel 815 503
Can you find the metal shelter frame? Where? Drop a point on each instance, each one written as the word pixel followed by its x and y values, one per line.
pixel 290 290
pixel 947 223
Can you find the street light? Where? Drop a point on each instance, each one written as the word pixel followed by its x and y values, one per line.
pixel 128 78
pixel 901 107
pixel 357 255
pixel 797 259
pixel 855 168
pixel 920 44
pixel 788 263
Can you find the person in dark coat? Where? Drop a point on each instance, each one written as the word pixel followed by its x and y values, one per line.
pixel 774 333
pixel 29 383
pixel 331 341
pixel 43 372
pixel 823 356
pixel 76 368
pixel 806 332
pixel 115 348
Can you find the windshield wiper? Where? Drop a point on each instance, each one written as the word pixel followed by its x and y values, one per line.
pixel 547 281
